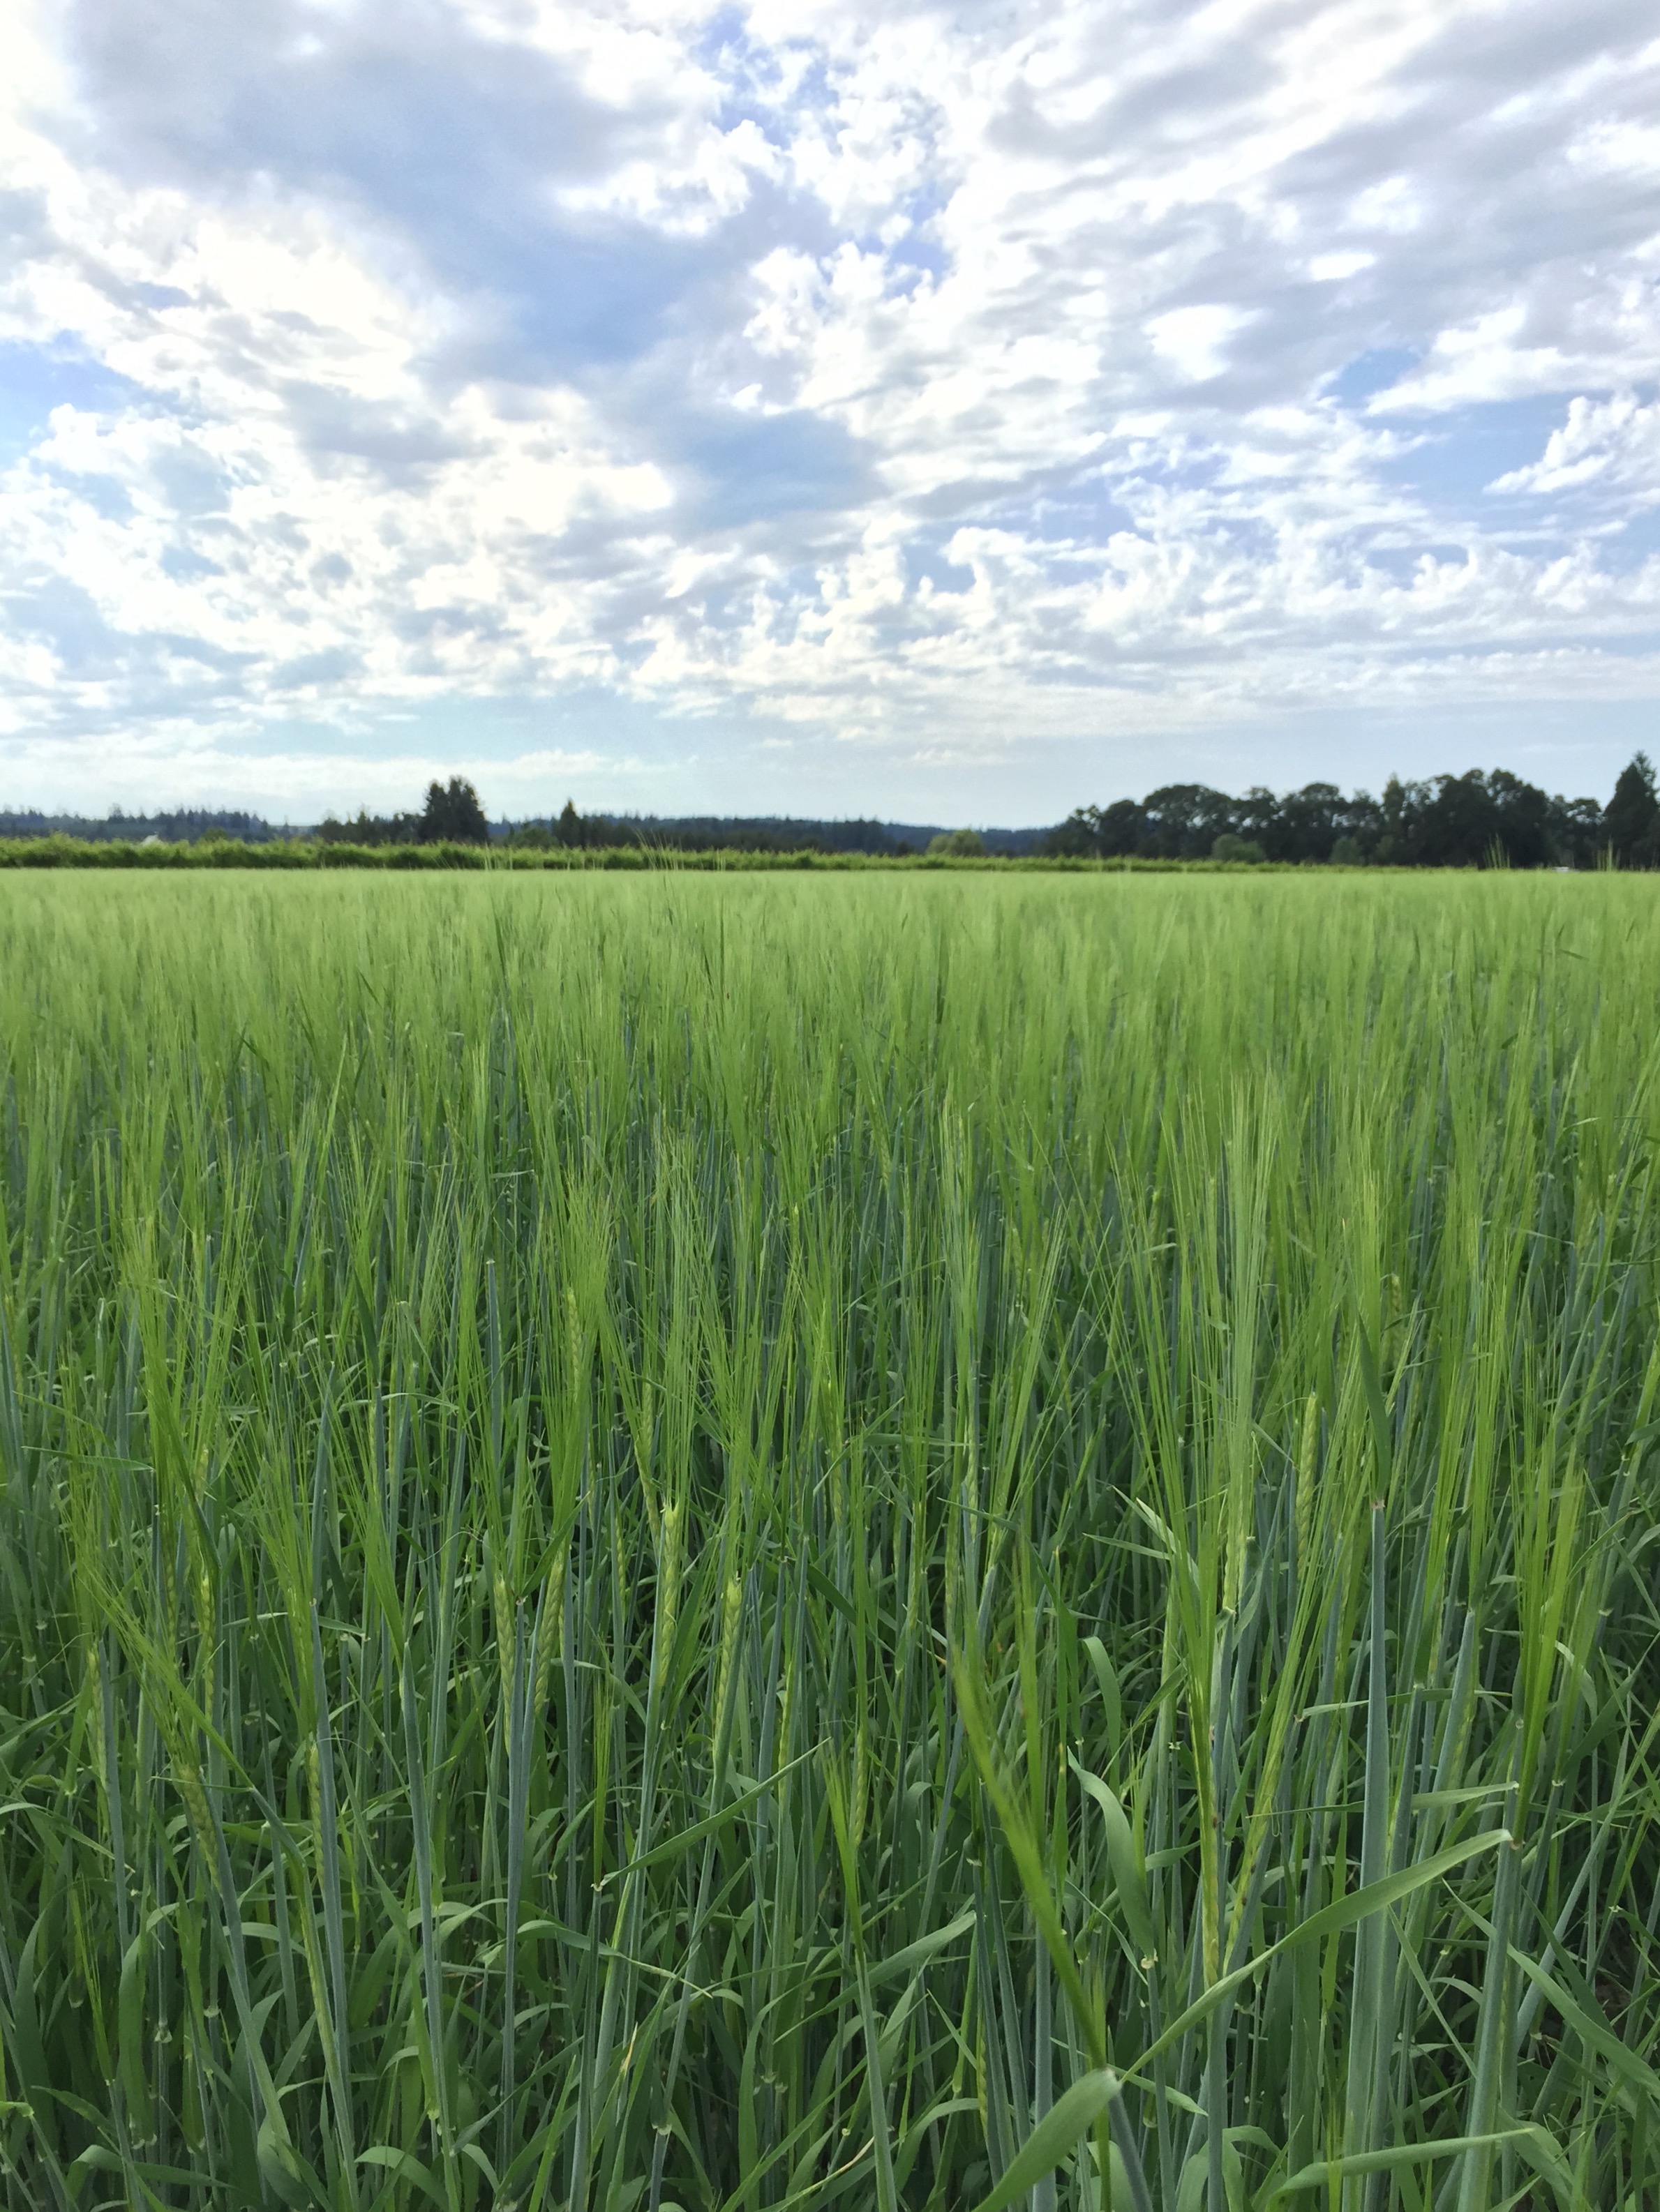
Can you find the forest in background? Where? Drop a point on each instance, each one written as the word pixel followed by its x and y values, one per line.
pixel 1483 818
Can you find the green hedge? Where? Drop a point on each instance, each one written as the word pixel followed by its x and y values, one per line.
pixel 58 852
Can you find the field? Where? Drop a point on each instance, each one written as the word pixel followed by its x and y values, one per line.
pixel 733 1542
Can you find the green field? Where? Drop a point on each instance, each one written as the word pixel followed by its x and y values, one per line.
pixel 748 1541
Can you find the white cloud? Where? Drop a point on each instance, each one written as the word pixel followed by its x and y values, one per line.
pixel 859 371
pixel 1333 268
pixel 1610 445
pixel 1195 340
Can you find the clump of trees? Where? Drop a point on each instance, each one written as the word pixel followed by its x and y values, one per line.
pixel 571 829
pixel 1477 820
pixel 452 815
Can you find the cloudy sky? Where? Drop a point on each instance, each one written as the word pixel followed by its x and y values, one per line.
pixel 956 412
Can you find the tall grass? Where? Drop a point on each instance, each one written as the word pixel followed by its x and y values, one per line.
pixel 892 1542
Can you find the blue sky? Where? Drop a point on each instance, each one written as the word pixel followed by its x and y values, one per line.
pixel 953 412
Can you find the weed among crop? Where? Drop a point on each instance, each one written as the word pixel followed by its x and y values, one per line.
pixel 749 1542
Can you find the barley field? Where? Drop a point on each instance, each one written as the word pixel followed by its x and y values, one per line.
pixel 754 1542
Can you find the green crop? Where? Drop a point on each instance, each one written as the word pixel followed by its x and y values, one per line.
pixel 743 1542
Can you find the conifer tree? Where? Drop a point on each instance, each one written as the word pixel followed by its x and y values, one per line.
pixel 1632 821
pixel 454 816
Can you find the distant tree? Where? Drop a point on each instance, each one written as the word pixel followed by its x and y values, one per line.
pixel 1362 824
pixel 454 816
pixel 1578 837
pixel 1457 825
pixel 1523 816
pixel 1480 819
pixel 1466 822
pixel 1397 812
pixel 370 830
pixel 1259 818
pixel 1632 823
pixel 1304 825
pixel 572 830
pixel 1121 829
pixel 1076 838
pixel 1184 820
pixel 1231 847
pixel 958 845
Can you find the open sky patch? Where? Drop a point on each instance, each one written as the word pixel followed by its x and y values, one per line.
pixel 1004 397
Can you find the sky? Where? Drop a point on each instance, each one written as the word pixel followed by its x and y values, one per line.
pixel 953 413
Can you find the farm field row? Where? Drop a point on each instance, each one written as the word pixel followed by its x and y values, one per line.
pixel 885 1539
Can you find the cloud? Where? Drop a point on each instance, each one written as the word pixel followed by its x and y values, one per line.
pixel 851 375
pixel 1193 341
pixel 1607 447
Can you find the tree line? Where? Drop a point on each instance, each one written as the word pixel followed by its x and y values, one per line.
pixel 454 815
pixel 712 833
pixel 1480 819
pixel 180 825
pixel 1476 820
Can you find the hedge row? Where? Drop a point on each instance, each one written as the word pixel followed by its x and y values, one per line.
pixel 305 852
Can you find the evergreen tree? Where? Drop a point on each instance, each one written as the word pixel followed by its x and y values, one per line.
pixel 1632 823
pixel 453 816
